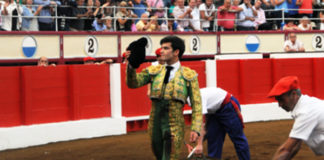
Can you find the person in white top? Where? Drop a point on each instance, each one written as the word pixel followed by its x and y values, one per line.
pixel 223 115
pixel 207 15
pixel 304 24
pixel 9 10
pixel 308 113
pixel 183 15
pixel 195 14
pixel 293 45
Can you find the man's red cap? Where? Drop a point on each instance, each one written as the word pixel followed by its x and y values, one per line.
pixel 158 52
pixel 284 85
pixel 85 59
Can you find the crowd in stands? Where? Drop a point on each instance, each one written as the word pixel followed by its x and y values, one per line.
pixel 160 15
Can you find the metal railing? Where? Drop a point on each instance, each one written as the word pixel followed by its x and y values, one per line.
pixel 114 9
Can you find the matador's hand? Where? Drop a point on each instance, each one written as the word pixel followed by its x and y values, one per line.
pixel 193 136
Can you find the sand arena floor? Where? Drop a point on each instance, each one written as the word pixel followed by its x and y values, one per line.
pixel 264 138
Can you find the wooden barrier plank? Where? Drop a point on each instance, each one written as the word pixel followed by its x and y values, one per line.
pixel 45 94
pixel 10 97
pixel 90 91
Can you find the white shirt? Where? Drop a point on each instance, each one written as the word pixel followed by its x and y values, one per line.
pixel 175 66
pixel 208 12
pixel 260 18
pixel 295 46
pixel 309 123
pixel 7 19
pixel 211 99
pixel 300 26
pixel 1 8
pixel 247 12
pixel 177 12
pixel 195 21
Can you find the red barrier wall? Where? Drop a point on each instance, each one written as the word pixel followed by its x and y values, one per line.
pixel 135 102
pixel 10 96
pixel 45 94
pixel 90 91
pixel 251 80
pixel 33 95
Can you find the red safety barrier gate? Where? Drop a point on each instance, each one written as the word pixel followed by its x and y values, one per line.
pixel 251 80
pixel 33 95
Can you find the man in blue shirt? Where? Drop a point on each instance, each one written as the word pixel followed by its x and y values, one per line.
pixel 139 8
pixel 46 24
pixel 246 17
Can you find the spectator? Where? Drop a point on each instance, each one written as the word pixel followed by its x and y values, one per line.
pixel 154 24
pixel 293 9
pixel 65 11
pixel 1 8
pixel 108 23
pixel 182 14
pixel 226 16
pixel 321 16
pixel 30 23
pixel 293 45
pixel 218 3
pixel 99 23
pixel 195 14
pixel 123 15
pixel 268 7
pixel 174 3
pixel 146 24
pixel 198 3
pixel 279 6
pixel 156 8
pixel 171 25
pixel 207 15
pixel 266 4
pixel 92 5
pixel 107 8
pixel 305 8
pixel 138 8
pixel 79 23
pixel 260 21
pixel 47 24
pixel 10 9
pixel 236 3
pixel 246 17
pixel 290 26
pixel 43 61
pixel 91 60
pixel 304 24
pixel 101 10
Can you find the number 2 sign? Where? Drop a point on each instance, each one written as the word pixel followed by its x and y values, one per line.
pixel 195 44
pixel 317 42
pixel 91 46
